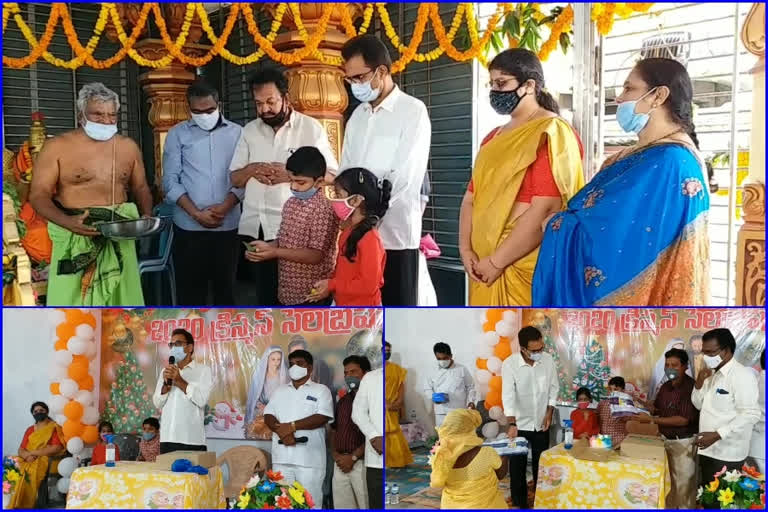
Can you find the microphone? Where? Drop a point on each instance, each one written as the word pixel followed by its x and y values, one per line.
pixel 171 361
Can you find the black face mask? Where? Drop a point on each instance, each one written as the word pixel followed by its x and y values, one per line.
pixel 278 119
pixel 39 416
pixel 387 355
pixel 505 102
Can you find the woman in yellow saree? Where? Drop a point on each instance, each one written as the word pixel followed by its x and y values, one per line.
pixel 467 472
pixel 398 454
pixel 525 171
pixel 41 441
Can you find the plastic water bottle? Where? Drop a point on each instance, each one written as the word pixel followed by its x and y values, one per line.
pixel 387 496
pixel 110 459
pixel 395 498
pixel 568 434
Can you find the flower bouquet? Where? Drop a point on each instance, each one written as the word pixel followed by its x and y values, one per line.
pixel 271 493
pixel 735 489
pixel 11 476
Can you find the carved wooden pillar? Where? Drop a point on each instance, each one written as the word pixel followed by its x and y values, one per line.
pixel 750 258
pixel 317 89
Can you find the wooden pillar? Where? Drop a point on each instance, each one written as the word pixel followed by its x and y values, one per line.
pixel 750 257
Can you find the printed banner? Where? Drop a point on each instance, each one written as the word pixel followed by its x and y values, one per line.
pixel 591 345
pixel 246 350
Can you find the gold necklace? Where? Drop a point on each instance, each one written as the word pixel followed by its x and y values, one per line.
pixel 635 149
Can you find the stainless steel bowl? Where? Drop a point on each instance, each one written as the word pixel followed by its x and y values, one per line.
pixel 132 229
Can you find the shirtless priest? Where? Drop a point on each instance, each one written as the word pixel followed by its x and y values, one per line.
pixel 81 177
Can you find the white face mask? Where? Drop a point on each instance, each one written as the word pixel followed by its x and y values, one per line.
pixel 297 372
pixel 445 363
pixel 364 92
pixel 206 121
pixel 178 354
pixel 713 362
pixel 98 131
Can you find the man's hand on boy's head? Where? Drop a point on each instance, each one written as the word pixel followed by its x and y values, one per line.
pixel 278 173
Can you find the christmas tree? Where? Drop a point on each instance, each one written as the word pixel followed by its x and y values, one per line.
pixel 544 324
pixel 129 403
pixel 593 372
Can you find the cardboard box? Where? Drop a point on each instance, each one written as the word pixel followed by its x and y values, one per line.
pixel 643 447
pixel 644 429
pixel 582 451
pixel 166 460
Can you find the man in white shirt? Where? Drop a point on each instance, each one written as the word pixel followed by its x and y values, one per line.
pixel 757 448
pixel 726 393
pixel 529 389
pixel 297 414
pixel 259 166
pixel 390 135
pixel 181 394
pixel 368 415
pixel 449 386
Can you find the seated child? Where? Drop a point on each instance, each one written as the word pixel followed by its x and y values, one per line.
pixel 149 446
pixel 361 202
pixel 100 450
pixel 306 242
pixel 585 420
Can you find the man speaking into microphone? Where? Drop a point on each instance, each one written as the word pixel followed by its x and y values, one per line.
pixel 181 394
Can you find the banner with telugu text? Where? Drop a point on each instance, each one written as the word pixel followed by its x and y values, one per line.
pixel 591 345
pixel 246 350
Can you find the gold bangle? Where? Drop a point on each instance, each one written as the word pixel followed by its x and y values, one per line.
pixel 490 260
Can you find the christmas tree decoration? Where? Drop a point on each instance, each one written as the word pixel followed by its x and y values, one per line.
pixel 593 372
pixel 544 324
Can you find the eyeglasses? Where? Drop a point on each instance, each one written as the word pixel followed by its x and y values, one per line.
pixel 358 79
pixel 177 344
pixel 498 84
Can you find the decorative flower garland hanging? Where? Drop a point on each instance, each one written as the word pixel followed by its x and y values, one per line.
pixel 559 22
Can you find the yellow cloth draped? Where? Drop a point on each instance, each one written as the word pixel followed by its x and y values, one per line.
pixel 25 494
pixel 498 174
pixel 474 486
pixel 398 453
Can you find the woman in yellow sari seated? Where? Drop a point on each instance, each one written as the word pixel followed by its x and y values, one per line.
pixel 398 454
pixel 41 441
pixel 525 170
pixel 467 472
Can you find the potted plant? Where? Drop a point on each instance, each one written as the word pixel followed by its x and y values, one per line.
pixel 11 476
pixel 272 493
pixel 734 489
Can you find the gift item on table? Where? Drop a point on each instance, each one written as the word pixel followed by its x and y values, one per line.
pixel 503 446
pixel 601 441
pixel 186 466
pixel 205 459
pixel 439 398
pixel 623 404
pixel 643 447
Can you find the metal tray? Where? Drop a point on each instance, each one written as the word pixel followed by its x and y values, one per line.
pixel 132 229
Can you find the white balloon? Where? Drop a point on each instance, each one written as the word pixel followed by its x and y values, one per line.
pixel 483 376
pixel 505 329
pixel 60 419
pixel 93 368
pixel 495 412
pixel 84 331
pixel 63 485
pixel 62 358
pixel 77 345
pixel 90 350
pixel 67 466
pixel 503 421
pixel 75 445
pixel 510 317
pixel 494 365
pixel 484 352
pixel 490 430
pixel 90 416
pixel 68 388
pixel 490 338
pixel 56 372
pixel 85 397
pixel 57 404
pixel 57 317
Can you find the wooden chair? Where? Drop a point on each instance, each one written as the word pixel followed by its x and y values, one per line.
pixel 242 463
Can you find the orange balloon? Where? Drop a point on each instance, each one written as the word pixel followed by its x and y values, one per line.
pixel 73 410
pixel 494 315
pixel 72 429
pixel 86 383
pixel 55 388
pixel 493 398
pixel 495 383
pixel 90 434
pixel 65 331
pixel 482 363
pixel 78 371
pixel 502 350
pixel 89 319
pixel 80 360
pixel 488 327
pixel 74 316
pixel 61 344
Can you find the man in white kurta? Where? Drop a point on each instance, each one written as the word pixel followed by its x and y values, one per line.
pixel 297 414
pixel 368 415
pixel 450 378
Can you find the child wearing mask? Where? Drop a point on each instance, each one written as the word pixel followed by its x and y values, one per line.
pixel 100 450
pixel 585 421
pixel 149 446
pixel 360 202
pixel 306 241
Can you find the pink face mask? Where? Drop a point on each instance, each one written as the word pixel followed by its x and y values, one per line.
pixel 342 208
pixel 583 405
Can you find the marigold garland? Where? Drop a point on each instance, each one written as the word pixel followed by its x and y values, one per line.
pixel 603 14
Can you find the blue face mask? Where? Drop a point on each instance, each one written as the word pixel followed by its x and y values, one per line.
pixel 178 354
pixel 629 120
pixel 364 92
pixel 148 436
pixel 304 194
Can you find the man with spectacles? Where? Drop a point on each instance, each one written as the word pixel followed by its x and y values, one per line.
pixel 181 393
pixel 390 135
pixel 529 389
pixel 258 166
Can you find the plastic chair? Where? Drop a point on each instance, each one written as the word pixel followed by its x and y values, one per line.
pixel 163 262
pixel 239 464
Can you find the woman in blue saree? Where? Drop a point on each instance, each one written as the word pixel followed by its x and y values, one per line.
pixel 637 234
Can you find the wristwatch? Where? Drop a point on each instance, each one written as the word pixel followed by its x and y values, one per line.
pixel 354 458
pixel 293 425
